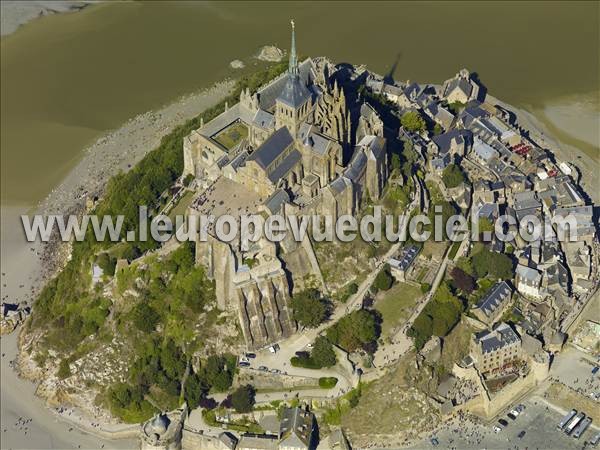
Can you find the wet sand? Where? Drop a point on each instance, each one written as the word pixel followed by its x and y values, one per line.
pixel 26 422
pixel 17 13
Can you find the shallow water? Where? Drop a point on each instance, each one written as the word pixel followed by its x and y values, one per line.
pixel 66 79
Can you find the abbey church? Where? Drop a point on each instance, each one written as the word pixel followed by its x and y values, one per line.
pixel 302 144
pixel 296 135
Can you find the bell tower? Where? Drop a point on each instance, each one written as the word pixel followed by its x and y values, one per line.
pixel 294 102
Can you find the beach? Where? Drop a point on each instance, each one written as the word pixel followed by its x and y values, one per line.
pixel 17 13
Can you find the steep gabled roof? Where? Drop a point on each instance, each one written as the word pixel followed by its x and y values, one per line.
pixel 272 147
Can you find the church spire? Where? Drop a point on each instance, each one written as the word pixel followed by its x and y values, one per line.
pixel 293 64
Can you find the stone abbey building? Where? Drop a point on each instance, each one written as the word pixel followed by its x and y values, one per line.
pixel 294 134
pixel 299 146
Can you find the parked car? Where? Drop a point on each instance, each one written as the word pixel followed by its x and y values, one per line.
pixel 274 348
pixel 511 416
pixel 497 429
pixel 595 369
pixel 302 354
pixel 263 368
pixel 521 434
pixel 515 412
pixel 503 422
pixel 244 364
pixel 434 441
pixel 520 408
pixel 251 355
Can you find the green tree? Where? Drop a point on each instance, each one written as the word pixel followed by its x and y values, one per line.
pixel 485 224
pixel 243 398
pixel 396 162
pixel 453 176
pixel 217 373
pixel 437 129
pixel 322 353
pixel 383 280
pixel 413 121
pixel 497 265
pixel 107 263
pixel 145 318
pixel 194 391
pixel 354 330
pixel 421 330
pixel 309 308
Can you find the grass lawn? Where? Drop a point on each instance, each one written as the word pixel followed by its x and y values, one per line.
pixel 232 135
pixel 396 305
pixel 456 344
pixel 181 207
pixel 453 250
pixel 434 249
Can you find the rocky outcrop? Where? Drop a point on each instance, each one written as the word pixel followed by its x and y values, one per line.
pixel 271 53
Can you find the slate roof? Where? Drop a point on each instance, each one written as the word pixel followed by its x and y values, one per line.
pixel 262 442
pixel 406 259
pixel 285 166
pixel 294 92
pixel 316 141
pixel 226 118
pixel 340 184
pixel 268 94
pixel 528 275
pixel 356 166
pixel 276 201
pixel 444 140
pixel 296 428
pixel 460 83
pixel 489 211
pixel 263 119
pixel 496 339
pixel 495 298
pixel 374 144
pixel 440 113
pixel 526 200
pixel 269 150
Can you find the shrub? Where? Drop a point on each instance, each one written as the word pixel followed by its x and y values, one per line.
pixel 310 309
pixel 145 318
pixel 497 265
pixel 462 280
pixel 64 371
pixel 243 398
pixel 327 382
pixel 413 121
pixel 383 280
pixel 453 176
pixel 322 353
pixel 354 330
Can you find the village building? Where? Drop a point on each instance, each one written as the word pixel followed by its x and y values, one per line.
pixel 493 303
pixel 494 349
pixel 400 266
pixel 528 281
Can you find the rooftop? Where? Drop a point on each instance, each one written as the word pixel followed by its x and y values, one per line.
pixel 492 340
pixel 494 298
